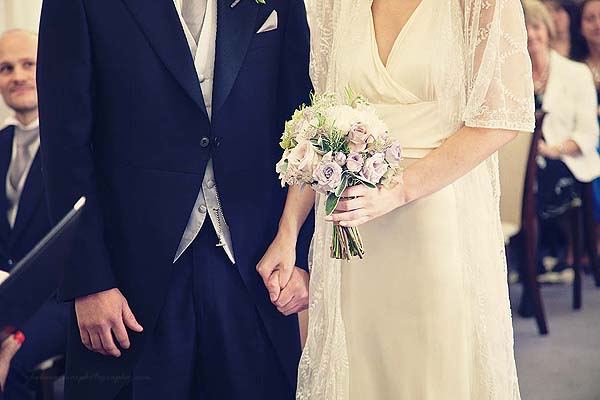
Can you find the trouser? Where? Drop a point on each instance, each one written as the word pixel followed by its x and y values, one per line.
pixel 210 342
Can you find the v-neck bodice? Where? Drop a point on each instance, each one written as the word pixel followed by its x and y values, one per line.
pixel 408 63
pixel 402 92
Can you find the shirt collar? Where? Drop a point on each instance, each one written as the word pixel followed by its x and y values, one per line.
pixel 12 121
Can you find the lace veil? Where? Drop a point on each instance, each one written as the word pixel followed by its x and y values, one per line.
pixel 484 81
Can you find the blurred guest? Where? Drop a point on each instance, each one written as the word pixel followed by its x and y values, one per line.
pixel 565 14
pixel 24 217
pixel 8 349
pixel 590 54
pixel 565 90
pixel 590 30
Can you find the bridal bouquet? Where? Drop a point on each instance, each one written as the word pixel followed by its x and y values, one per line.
pixel 332 145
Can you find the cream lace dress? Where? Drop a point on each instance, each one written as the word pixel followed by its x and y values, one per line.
pixel 425 315
pixel 405 311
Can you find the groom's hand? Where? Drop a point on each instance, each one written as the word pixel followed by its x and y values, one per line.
pixel 102 315
pixel 277 265
pixel 294 296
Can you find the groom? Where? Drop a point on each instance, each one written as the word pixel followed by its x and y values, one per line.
pixel 166 114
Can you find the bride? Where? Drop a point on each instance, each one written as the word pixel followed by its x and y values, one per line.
pixel 425 315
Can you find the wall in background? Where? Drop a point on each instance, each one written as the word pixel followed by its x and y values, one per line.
pixel 24 14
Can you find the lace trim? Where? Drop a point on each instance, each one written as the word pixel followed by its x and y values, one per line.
pixel 485 80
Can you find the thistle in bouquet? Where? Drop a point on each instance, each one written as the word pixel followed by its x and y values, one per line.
pixel 332 145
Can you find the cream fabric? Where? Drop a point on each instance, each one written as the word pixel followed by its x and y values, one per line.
pixel 426 314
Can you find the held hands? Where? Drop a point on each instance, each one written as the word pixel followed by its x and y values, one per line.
pixel 293 298
pixel 286 283
pixel 102 315
pixel 360 204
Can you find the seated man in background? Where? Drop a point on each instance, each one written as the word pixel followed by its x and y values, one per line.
pixel 24 216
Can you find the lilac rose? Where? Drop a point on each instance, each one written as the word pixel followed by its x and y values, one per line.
pixel 340 158
pixel 328 175
pixel 358 137
pixel 354 162
pixel 375 167
pixel 393 154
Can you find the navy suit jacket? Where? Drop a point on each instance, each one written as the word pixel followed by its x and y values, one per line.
pixel 123 122
pixel 32 221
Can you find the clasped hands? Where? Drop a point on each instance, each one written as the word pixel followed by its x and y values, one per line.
pixel 287 284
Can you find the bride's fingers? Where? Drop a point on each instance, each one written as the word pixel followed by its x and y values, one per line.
pixel 356 191
pixel 294 308
pixel 354 223
pixel 285 274
pixel 346 216
pixel 350 204
pixel 273 286
pixel 285 298
pixel 290 309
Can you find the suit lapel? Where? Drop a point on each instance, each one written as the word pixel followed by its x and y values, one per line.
pixel 6 140
pixel 159 21
pixel 30 198
pixel 235 29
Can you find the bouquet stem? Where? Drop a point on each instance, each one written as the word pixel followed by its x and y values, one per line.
pixel 346 243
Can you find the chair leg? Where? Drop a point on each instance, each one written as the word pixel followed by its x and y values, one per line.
pixel 576 235
pixel 589 225
pixel 531 289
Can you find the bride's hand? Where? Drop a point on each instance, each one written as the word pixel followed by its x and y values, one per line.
pixel 277 265
pixel 360 204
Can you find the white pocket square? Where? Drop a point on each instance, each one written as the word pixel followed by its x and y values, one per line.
pixel 270 24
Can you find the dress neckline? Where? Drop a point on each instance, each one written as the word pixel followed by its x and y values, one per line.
pixel 400 35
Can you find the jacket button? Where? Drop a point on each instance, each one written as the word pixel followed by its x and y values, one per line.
pixel 204 142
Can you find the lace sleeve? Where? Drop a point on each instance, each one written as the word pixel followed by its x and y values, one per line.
pixel 499 84
pixel 321 18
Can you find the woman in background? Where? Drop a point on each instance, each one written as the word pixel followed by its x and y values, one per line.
pixel 590 30
pixel 565 90
pixel 567 41
pixel 590 54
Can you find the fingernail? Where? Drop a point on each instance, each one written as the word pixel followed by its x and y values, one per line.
pixel 19 337
pixel 328 218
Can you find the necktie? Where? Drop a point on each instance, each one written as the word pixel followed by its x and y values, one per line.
pixel 23 141
pixel 193 12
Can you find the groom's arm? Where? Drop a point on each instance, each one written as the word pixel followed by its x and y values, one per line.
pixel 294 90
pixel 66 107
pixel 288 285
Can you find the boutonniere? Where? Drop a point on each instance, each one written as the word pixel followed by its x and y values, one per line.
pixel 236 2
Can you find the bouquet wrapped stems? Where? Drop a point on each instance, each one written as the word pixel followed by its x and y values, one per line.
pixel 346 243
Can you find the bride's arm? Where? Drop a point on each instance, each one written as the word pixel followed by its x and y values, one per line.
pixel 459 154
pixel 278 263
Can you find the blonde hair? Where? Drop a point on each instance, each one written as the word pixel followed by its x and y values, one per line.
pixel 535 10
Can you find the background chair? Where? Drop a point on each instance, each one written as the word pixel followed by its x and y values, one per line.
pixel 518 170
